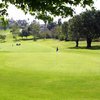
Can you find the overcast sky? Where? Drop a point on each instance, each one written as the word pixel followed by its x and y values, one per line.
pixel 19 14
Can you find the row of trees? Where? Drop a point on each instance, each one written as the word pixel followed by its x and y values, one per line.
pixel 52 30
pixel 85 26
pixel 32 29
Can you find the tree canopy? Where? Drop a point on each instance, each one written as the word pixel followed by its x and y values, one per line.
pixel 44 8
pixel 86 25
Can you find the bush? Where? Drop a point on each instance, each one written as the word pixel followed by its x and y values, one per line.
pixel 2 38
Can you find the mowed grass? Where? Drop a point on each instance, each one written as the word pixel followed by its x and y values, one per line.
pixel 35 71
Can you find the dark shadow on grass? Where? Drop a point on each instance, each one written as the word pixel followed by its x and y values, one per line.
pixel 2 41
pixel 83 47
pixel 26 39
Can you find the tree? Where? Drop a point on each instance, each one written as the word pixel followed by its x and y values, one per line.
pixel 34 30
pixel 51 25
pixel 24 33
pixel 91 25
pixel 65 30
pixel 75 28
pixel 59 22
pixel 15 30
pixel 2 37
pixel 44 8
pixel 86 25
pixel 61 35
pixel 45 34
pixel 57 32
pixel 3 23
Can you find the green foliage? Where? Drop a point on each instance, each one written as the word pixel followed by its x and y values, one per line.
pixel 65 30
pixel 91 23
pixel 24 32
pixel 44 8
pixel 2 38
pixel 75 27
pixel 3 23
pixel 3 8
pixel 86 25
pixel 62 37
pixel 51 25
pixel 45 34
pixel 15 31
pixel 3 34
pixel 56 32
pixel 34 30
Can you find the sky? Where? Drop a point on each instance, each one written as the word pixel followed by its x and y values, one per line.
pixel 19 14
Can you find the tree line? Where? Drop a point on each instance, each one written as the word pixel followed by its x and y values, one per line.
pixel 85 26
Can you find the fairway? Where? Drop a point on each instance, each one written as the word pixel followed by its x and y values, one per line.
pixel 35 71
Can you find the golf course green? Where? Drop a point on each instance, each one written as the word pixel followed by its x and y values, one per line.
pixel 35 71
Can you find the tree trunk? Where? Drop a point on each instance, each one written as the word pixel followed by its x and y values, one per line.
pixel 77 42
pixel 66 38
pixel 89 41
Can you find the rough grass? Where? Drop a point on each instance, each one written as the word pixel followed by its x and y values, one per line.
pixel 34 71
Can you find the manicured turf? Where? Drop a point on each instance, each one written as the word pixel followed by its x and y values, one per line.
pixel 34 71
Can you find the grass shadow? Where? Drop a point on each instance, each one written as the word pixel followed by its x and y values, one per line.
pixel 83 47
pixel 26 39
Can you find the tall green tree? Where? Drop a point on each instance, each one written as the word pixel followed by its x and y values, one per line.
pixel 3 23
pixel 65 30
pixel 56 32
pixel 15 30
pixel 34 30
pixel 86 25
pixel 91 25
pixel 75 29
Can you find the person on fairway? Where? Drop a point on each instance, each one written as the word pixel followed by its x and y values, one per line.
pixel 57 49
